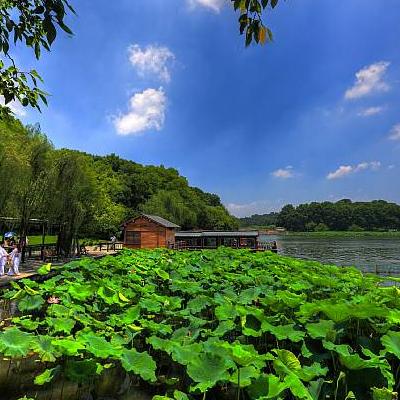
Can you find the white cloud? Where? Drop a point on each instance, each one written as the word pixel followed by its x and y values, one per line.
pixel 147 111
pixel 370 111
pixel 152 60
pixel 345 170
pixel 214 5
pixel 283 173
pixel 369 80
pixel 395 133
pixel 17 108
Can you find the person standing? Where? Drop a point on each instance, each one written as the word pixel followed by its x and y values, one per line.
pixel 113 241
pixel 3 259
pixel 15 259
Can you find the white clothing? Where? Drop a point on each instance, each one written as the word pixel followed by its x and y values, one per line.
pixel 15 256
pixel 3 260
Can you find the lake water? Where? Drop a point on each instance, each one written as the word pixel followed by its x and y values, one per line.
pixel 381 255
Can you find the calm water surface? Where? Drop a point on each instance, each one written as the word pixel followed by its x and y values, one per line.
pixel 369 254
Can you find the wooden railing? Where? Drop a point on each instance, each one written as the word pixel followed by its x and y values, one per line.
pixel 110 246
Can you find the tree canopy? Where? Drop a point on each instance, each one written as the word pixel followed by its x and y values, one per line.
pixel 33 23
pixel 90 196
pixel 343 215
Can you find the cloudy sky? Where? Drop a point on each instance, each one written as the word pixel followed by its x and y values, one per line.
pixel 313 116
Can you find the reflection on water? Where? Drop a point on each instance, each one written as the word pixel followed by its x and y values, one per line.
pixel 380 255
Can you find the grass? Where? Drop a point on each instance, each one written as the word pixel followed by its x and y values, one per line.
pixel 37 239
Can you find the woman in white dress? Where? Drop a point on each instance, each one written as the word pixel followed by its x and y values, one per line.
pixel 15 258
pixel 3 259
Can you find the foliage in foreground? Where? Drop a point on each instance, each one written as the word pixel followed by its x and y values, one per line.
pixel 212 324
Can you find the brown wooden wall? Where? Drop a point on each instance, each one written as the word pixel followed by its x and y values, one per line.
pixel 152 235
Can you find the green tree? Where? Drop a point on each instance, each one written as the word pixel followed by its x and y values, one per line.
pixel 33 23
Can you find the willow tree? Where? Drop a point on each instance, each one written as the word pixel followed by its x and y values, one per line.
pixel 29 188
pixel 73 197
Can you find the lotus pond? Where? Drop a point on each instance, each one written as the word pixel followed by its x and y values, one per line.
pixel 220 324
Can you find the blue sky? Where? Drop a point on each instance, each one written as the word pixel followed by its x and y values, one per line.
pixel 312 116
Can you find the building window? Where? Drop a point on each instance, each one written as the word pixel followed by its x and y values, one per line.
pixel 133 238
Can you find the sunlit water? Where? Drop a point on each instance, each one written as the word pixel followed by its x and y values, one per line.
pixel 381 255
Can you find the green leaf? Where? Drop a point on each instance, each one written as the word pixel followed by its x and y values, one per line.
pixel 29 303
pixel 180 395
pixel 15 343
pixel 391 343
pixel 320 329
pixel 47 376
pixel 44 348
pixel 141 364
pixel 46 268
pixel 99 346
pixel 246 375
pixel 266 387
pixel 162 274
pixel 207 370
pixel 61 324
pixel 383 394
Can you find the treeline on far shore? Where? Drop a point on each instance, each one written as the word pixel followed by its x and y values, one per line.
pixel 344 215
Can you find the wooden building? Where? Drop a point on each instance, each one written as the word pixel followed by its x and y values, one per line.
pixel 213 239
pixel 149 232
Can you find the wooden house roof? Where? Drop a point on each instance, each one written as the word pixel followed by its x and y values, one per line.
pixel 156 219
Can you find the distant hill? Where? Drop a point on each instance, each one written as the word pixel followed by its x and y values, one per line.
pixel 343 215
pixel 259 220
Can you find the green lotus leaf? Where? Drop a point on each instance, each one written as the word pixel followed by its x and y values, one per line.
pixel 29 303
pixel 283 332
pixel 341 349
pixel 80 292
pixel 266 387
pixel 58 310
pixel 46 376
pixel 198 304
pixel 383 394
pixel 292 300
pixel 26 323
pixel 249 295
pixel 44 269
pixel 68 346
pixel 178 395
pixel 99 346
pixel 297 387
pixel 131 315
pixel 207 370
pixel 61 324
pixel 15 343
pixel 321 329
pixel 162 274
pixel 391 343
pixel 109 295
pixel 244 375
pixel 223 327
pixel 225 312
pixel 141 364
pixel 150 304
pixel 288 359
pixel 44 348
pixel 80 371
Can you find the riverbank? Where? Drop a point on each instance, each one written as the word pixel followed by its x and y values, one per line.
pixel 346 234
